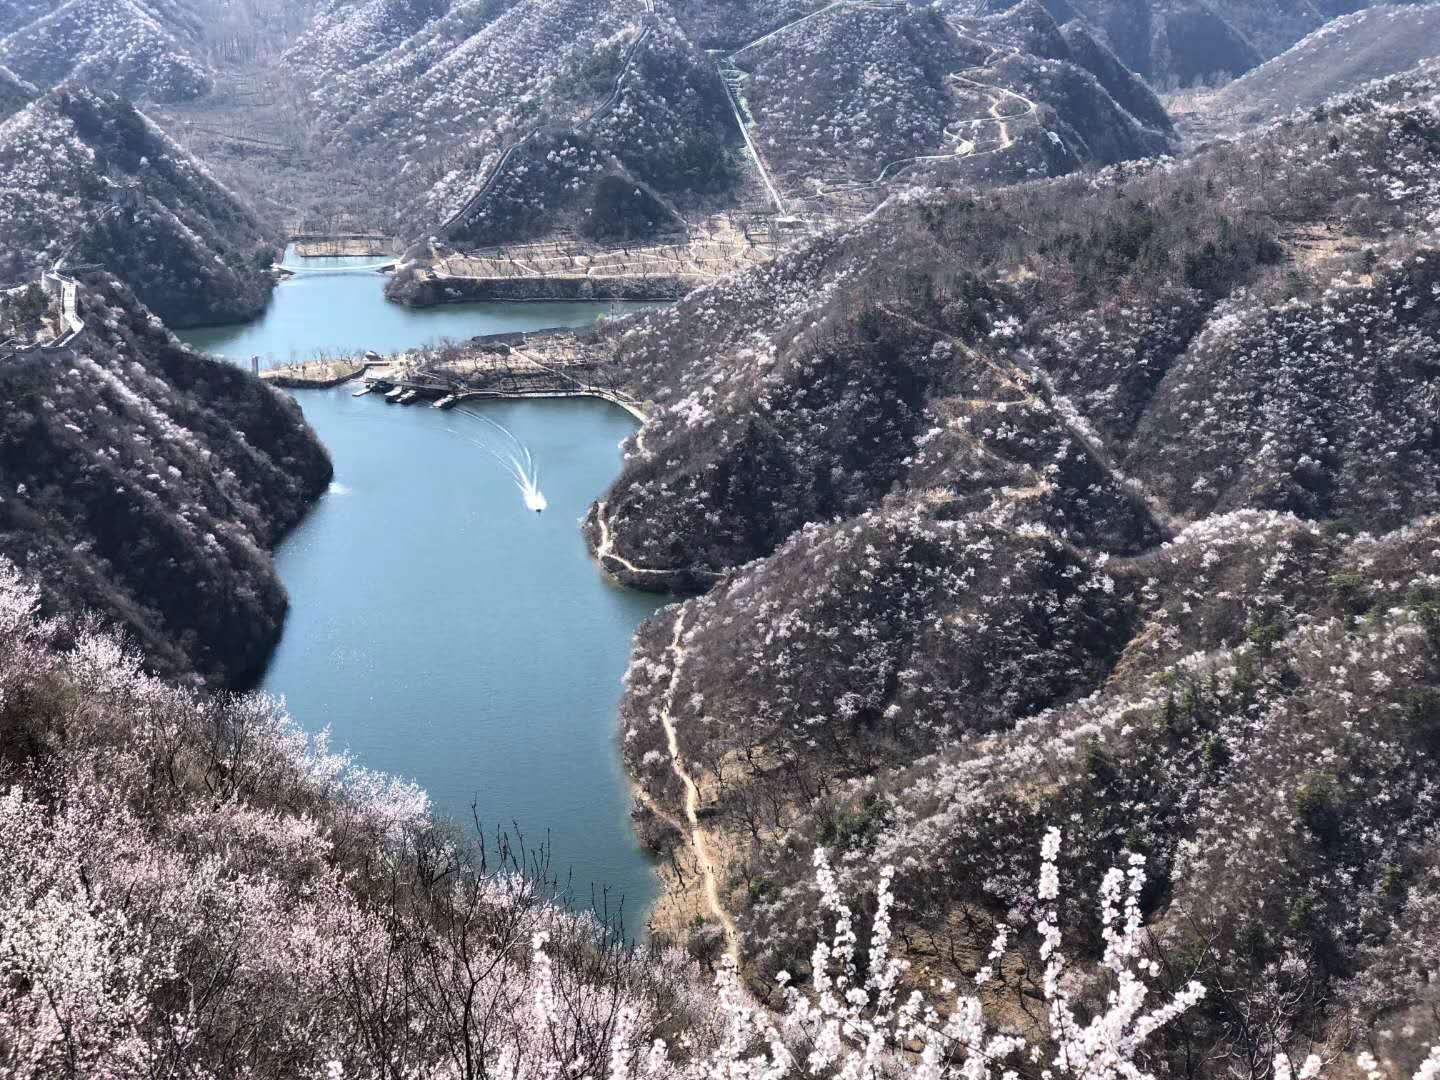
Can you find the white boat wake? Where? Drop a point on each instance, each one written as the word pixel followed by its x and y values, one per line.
pixel 515 458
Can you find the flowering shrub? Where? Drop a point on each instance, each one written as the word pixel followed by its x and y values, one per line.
pixel 194 887
pixel 1086 366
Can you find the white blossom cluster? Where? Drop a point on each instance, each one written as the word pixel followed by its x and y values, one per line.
pixel 196 887
pixel 567 82
pixel 85 175
pixel 116 44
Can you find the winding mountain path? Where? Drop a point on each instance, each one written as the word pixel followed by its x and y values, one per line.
pixel 964 147
pixel 605 549
pixel 699 840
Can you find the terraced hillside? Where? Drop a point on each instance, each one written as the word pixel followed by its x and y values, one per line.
pixel 1065 503
pixel 85 176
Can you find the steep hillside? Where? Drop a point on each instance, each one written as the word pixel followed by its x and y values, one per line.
pixel 848 91
pixel 1078 296
pixel 1320 403
pixel 1128 90
pixel 729 24
pixel 862 92
pixel 85 176
pixel 121 45
pixel 15 93
pixel 147 484
pixel 1238 745
pixel 346 34
pixel 189 881
pixel 607 118
pixel 923 471
pixel 1183 42
pixel 505 119
pixel 1337 59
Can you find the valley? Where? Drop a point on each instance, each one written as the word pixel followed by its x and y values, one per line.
pixel 660 539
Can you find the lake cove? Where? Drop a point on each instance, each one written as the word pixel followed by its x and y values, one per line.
pixel 328 314
pixel 440 627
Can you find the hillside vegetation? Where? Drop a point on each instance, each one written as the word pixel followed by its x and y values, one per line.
pixel 85 176
pixel 1184 42
pixel 570 96
pixel 195 887
pixel 924 469
pixel 147 484
pixel 859 93
pixel 1337 59
pixel 1084 530
pixel 122 45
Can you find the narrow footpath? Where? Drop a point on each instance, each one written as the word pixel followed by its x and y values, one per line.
pixel 699 840
pixel 605 549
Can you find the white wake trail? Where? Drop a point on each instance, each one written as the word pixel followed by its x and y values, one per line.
pixel 516 460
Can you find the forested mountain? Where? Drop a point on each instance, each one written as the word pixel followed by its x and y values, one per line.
pixel 507 119
pixel 1053 506
pixel 1381 41
pixel 1071 502
pixel 89 178
pixel 511 119
pixel 859 93
pixel 129 46
pixel 147 484
pixel 1181 42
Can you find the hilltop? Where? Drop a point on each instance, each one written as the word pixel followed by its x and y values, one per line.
pixel 502 122
pixel 89 178
pixel 861 93
pixel 610 120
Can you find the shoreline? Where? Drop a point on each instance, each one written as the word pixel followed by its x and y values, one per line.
pixel 297 377
pixel 437 290
pixel 676 896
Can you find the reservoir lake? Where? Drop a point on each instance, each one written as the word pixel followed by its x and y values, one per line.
pixel 438 627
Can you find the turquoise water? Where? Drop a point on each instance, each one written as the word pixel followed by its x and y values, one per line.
pixel 442 630
pixel 316 314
